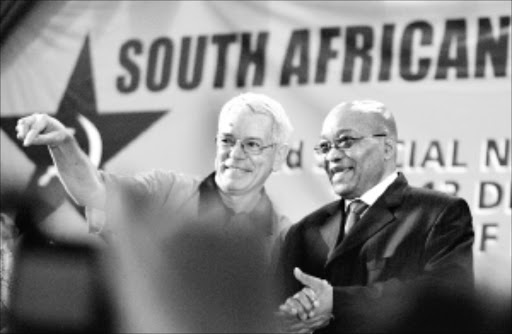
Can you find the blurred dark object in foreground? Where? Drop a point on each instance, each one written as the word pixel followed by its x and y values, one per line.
pixel 58 288
pixel 216 282
pixel 433 308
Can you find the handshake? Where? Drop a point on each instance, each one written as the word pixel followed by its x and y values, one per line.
pixel 309 309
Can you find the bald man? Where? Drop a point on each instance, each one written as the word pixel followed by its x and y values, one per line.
pixel 346 265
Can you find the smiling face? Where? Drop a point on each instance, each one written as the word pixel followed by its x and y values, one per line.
pixel 239 173
pixel 368 161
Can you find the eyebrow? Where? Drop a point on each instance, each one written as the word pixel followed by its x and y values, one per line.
pixel 340 133
pixel 254 138
pixel 246 138
pixel 345 132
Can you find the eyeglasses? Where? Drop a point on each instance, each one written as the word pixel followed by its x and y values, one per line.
pixel 249 145
pixel 342 143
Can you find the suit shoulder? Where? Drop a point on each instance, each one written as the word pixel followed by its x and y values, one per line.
pixel 317 217
pixel 319 214
pixel 430 197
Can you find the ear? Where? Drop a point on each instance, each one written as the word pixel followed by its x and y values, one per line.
pixel 389 148
pixel 280 157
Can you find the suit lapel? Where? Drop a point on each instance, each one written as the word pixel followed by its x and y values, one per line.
pixel 330 229
pixel 376 218
pixel 318 230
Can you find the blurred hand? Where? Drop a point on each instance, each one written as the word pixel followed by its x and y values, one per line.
pixel 41 129
pixel 291 324
pixel 310 308
pixel 301 305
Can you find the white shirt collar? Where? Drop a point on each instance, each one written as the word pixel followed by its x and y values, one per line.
pixel 376 191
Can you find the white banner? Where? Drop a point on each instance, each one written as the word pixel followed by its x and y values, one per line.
pixel 142 82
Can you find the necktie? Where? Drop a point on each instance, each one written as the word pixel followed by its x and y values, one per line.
pixel 355 209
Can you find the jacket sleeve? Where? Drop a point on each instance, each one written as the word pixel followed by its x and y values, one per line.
pixel 287 254
pixel 448 249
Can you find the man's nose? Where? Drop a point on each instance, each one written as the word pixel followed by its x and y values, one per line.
pixel 334 154
pixel 237 151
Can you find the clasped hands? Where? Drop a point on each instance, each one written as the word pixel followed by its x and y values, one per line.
pixel 308 309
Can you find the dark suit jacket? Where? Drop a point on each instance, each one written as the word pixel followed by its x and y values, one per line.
pixel 409 236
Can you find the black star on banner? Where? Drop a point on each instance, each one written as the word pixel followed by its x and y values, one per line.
pixel 100 134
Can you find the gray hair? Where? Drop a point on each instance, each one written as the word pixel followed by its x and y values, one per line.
pixel 263 104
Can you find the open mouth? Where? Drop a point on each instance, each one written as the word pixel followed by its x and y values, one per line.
pixel 338 173
pixel 236 169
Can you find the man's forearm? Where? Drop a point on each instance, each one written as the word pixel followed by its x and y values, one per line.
pixel 77 173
